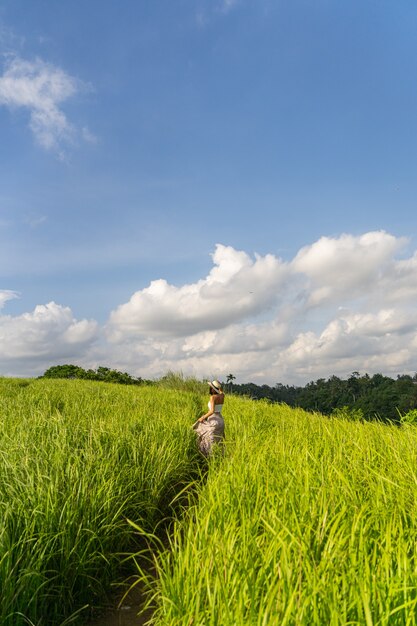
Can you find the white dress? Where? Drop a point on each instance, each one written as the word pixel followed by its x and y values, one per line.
pixel 211 431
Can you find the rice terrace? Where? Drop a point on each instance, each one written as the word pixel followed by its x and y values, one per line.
pixel 305 519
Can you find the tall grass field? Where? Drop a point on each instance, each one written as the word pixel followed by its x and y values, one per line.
pixel 77 459
pixel 303 520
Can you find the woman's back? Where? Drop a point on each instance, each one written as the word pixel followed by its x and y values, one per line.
pixel 218 401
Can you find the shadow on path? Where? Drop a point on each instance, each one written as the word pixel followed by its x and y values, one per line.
pixel 126 607
pixel 126 613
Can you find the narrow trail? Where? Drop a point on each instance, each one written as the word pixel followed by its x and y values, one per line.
pixel 126 614
pixel 123 611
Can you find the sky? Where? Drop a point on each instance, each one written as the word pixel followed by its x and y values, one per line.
pixel 209 186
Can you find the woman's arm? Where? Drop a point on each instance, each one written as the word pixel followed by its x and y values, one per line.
pixel 210 411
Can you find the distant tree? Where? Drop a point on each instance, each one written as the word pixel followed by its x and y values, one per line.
pixel 347 413
pixel 65 371
pixel 229 381
pixel 377 397
pixel 353 385
pixel 104 374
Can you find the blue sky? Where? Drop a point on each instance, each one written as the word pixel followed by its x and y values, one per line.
pixel 137 136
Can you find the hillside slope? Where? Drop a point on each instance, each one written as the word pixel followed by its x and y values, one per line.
pixel 306 520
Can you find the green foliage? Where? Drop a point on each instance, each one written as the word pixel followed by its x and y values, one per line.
pixel 346 413
pixel 103 374
pixel 378 397
pixel 65 371
pixel 229 382
pixel 177 381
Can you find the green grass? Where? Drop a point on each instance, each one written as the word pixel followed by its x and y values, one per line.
pixel 178 382
pixel 307 520
pixel 77 459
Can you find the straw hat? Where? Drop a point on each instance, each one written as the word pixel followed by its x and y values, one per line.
pixel 216 385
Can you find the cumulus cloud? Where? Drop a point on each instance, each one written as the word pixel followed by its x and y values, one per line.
pixel 238 339
pixel 346 267
pixel 43 336
pixel 381 342
pixel 342 304
pixel 399 284
pixel 41 88
pixel 237 287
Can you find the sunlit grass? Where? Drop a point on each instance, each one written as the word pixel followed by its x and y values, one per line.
pixel 304 520
pixel 308 520
pixel 77 459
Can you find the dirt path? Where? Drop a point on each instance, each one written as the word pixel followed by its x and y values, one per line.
pixel 126 614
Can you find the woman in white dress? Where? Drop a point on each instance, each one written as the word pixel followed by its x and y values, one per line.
pixel 210 427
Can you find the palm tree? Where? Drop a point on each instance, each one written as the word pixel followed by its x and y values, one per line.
pixel 229 381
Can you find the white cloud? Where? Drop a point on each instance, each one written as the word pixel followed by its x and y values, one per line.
pixel 41 88
pixel 238 339
pixel 237 287
pixel 6 295
pixel 213 325
pixel 258 317
pixel 380 342
pixel 346 267
pixel 50 333
pixel 399 284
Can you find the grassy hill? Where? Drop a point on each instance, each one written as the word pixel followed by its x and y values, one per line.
pixel 305 520
pixel 77 459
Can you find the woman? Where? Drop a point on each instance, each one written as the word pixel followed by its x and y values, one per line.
pixel 210 427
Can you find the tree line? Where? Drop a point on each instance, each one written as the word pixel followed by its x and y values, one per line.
pixel 361 396
pixel 104 374
pixel 373 397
